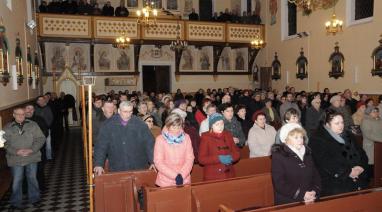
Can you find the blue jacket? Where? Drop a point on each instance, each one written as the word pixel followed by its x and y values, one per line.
pixel 127 147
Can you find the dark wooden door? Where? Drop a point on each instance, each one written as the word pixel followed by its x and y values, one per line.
pixel 205 10
pixel 156 78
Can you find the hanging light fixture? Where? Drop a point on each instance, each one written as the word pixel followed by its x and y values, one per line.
pixel 147 15
pixel 257 42
pixel 178 44
pixel 334 25
pixel 122 42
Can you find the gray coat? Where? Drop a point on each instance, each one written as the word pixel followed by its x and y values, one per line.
pixel 371 132
pixel 29 137
pixel 127 147
pixel 46 113
pixel 234 127
pixel 286 106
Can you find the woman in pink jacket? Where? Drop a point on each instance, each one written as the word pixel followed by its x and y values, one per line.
pixel 173 154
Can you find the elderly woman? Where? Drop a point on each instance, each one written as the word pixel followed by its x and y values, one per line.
pixel 149 120
pixel 232 125
pixel 313 115
pixel 359 114
pixel 217 150
pixel 340 161
pixel 241 116
pixel 261 136
pixel 271 113
pixel 290 116
pixel 295 177
pixel 173 154
pixel 372 132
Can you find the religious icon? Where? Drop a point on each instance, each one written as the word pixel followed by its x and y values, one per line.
pixel 78 60
pixel 336 60
pixel 123 61
pixel 204 61
pixel 103 59
pixel 172 4
pixel 58 60
pixel 187 60
pixel 4 51
pixel 377 60
pixel 239 61
pixel 276 68
pixel 19 61
pixel 302 65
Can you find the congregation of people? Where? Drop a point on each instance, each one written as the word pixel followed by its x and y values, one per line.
pixel 83 7
pixel 311 137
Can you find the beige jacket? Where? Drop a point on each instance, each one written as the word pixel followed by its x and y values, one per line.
pixel 371 132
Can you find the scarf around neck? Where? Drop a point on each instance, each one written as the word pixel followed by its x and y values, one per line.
pixel 337 137
pixel 299 152
pixel 173 139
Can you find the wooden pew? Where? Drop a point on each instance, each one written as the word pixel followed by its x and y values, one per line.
pixel 377 164
pixel 207 196
pixel 245 167
pixel 244 152
pixel 168 199
pixel 118 191
pixel 367 200
pixel 242 192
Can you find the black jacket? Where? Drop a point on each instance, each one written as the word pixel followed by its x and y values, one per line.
pixel 334 162
pixel 121 12
pixel 127 147
pixel 292 177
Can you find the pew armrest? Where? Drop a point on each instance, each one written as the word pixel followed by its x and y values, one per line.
pixel 195 202
pixel 223 208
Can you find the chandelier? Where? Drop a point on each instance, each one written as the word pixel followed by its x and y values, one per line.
pixel 178 44
pixel 146 14
pixel 122 42
pixel 334 25
pixel 257 43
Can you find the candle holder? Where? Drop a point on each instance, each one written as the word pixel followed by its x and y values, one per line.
pixel 20 80
pixel 4 78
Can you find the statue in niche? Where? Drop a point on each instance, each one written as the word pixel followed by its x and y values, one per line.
pixel 3 48
pixel 58 60
pixel 103 60
pixel 276 68
pixel 123 62
pixel 239 61
pixel 377 60
pixel 188 60
pixel 302 64
pixel 336 60
pixel 226 62
pixel 204 61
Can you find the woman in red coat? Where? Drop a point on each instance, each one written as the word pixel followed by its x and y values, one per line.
pixel 217 151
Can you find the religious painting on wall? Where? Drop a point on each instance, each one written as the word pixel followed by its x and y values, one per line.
pixel 79 57
pixel 156 3
pixel 132 3
pixel 124 59
pixel 225 60
pixel 172 4
pixel 55 57
pixel 336 60
pixel 188 5
pixel 240 58
pixel 187 62
pixel 377 60
pixel 103 57
pixel 205 59
pixel 302 66
pixel 255 73
pixel 276 68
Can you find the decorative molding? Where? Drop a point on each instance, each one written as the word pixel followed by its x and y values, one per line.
pixel 239 33
pixel 205 31
pixel 113 27
pixel 65 26
pixel 164 30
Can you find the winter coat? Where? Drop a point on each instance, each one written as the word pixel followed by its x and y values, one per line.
pixel 261 140
pixel 29 136
pixel 200 116
pixel 46 113
pixel 276 116
pixel 127 147
pixel 312 118
pixel 234 127
pixel 371 132
pixel 348 120
pixel 173 159
pixel 286 106
pixel 211 146
pixel 335 161
pixel 246 125
pixel 291 176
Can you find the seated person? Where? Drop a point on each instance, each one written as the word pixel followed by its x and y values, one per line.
pixel 295 177
pixel 261 136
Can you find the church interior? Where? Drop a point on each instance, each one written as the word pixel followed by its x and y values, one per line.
pixel 78 56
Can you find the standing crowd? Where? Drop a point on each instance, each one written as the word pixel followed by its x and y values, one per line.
pixel 311 137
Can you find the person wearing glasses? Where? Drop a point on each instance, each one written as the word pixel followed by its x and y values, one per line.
pixel 125 140
pixel 24 140
pixel 149 120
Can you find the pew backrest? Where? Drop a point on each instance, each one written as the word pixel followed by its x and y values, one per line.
pixel 168 199
pixel 377 164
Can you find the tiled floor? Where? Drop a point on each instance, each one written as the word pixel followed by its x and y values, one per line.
pixel 66 188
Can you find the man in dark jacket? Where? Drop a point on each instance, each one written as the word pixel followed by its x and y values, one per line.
pixel 24 141
pixel 44 111
pixel 107 9
pixel 193 16
pixel 125 140
pixel 43 8
pixel 121 11
pixel 29 114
